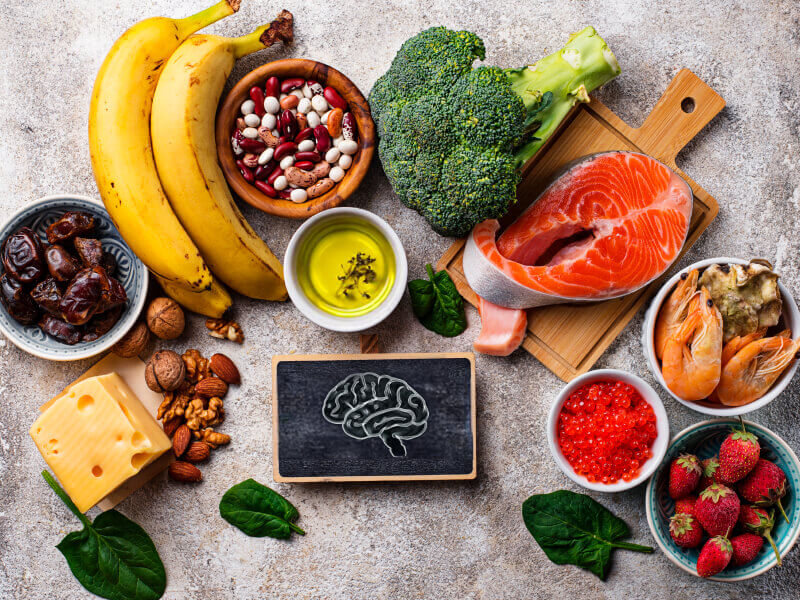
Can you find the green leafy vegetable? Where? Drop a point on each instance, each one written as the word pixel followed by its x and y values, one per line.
pixel 113 557
pixel 437 303
pixel 574 529
pixel 259 511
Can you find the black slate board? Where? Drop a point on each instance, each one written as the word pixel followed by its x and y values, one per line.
pixel 307 446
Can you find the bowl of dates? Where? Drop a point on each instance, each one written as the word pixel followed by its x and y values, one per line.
pixel 70 287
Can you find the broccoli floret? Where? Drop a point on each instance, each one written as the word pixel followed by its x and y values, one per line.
pixel 453 137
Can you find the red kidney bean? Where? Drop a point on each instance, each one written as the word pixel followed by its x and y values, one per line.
pixel 310 156
pixel 284 149
pixel 272 87
pixel 266 188
pixel 252 146
pixel 323 138
pixel 274 175
pixel 304 134
pixel 292 84
pixel 286 194
pixel 284 138
pixel 349 127
pixel 288 124
pixel 257 96
pixel 334 99
pixel 263 171
pixel 246 173
pixel 306 165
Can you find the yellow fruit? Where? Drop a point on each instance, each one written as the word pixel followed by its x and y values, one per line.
pixel 212 302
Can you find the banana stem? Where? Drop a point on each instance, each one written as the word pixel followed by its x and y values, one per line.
pixel 265 36
pixel 212 14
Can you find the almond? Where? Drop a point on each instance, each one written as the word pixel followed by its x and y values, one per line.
pixel 184 472
pixel 224 368
pixel 180 441
pixel 197 452
pixel 171 426
pixel 211 387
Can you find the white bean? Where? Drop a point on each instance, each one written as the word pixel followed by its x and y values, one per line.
pixel 286 162
pixel 298 93
pixel 280 183
pixel 276 133
pixel 306 91
pixel 313 119
pixel 348 146
pixel 332 155
pixel 345 161
pixel 250 132
pixel 319 103
pixel 337 140
pixel 269 121
pixel 252 120
pixel 304 106
pixel 299 195
pixel 306 146
pixel 237 149
pixel 248 106
pixel 282 96
pixel 266 156
pixel 337 174
pixel 271 105
pixel 324 118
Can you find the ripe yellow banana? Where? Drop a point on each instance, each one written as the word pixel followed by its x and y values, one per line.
pixel 121 152
pixel 212 302
pixel 182 126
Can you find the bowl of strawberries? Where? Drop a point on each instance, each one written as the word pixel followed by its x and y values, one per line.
pixel 723 503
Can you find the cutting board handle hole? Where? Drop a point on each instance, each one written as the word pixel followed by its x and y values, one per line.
pixel 687 105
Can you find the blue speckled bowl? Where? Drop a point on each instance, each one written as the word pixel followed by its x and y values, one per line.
pixel 704 439
pixel 130 272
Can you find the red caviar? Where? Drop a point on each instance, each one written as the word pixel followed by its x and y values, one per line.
pixel 606 431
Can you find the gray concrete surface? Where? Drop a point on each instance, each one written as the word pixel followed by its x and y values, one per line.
pixel 431 540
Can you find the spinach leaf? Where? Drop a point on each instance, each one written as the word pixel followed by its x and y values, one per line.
pixel 259 511
pixel 113 557
pixel 574 529
pixel 437 303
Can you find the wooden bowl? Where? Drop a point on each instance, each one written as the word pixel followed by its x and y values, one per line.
pixel 325 75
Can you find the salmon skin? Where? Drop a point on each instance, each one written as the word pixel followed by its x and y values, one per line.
pixel 608 225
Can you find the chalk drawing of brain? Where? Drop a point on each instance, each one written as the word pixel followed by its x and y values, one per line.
pixel 369 405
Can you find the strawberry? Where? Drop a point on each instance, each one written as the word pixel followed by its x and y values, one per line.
pixel 765 485
pixel 685 530
pixel 745 548
pixel 738 454
pixel 759 521
pixel 685 505
pixel 709 466
pixel 717 509
pixel 714 557
pixel 684 475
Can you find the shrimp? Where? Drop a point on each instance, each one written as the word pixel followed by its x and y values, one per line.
pixel 673 310
pixel 730 349
pixel 754 368
pixel 691 365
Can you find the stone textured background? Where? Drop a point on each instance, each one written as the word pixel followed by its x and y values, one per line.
pixel 429 540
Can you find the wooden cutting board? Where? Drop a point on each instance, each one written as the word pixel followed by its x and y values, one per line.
pixel 568 338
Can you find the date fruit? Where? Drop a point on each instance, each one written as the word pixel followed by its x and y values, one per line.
pixel 61 330
pixel 23 255
pixel 17 301
pixel 72 223
pixel 109 263
pixel 101 324
pixel 47 295
pixel 61 264
pixel 87 294
pixel 89 250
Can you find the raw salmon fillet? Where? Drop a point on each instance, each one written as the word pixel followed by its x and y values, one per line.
pixel 610 224
pixel 502 329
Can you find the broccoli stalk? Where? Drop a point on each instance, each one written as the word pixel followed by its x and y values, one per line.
pixel 552 86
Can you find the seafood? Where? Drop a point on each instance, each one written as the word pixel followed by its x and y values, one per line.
pixel 691 364
pixel 755 367
pixel 730 349
pixel 502 329
pixel 674 310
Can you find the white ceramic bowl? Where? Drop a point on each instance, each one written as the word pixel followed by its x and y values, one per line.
pixel 790 318
pixel 659 447
pixel 327 320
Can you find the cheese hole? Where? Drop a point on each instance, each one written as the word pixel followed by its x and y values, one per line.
pixel 85 402
pixel 138 460
pixel 137 439
pixel 97 470
pixel 119 438
pixel 50 446
pixel 125 410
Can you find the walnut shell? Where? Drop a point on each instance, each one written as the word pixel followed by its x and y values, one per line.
pixel 134 342
pixel 164 371
pixel 165 318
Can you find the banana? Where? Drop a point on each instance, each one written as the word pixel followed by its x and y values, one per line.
pixel 182 127
pixel 121 152
pixel 212 302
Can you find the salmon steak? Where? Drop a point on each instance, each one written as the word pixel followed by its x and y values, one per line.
pixel 608 225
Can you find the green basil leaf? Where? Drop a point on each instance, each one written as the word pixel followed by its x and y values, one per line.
pixel 437 303
pixel 259 511
pixel 575 529
pixel 113 557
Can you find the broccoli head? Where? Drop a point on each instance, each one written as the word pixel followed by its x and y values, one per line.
pixel 452 137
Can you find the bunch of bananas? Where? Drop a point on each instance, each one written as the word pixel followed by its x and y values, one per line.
pixel 151 136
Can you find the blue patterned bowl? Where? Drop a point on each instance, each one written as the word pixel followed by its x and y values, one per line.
pixel 703 440
pixel 130 272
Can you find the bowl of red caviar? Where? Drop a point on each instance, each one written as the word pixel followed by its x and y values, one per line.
pixel 608 430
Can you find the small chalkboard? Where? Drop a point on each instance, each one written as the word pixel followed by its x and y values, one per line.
pixel 373 417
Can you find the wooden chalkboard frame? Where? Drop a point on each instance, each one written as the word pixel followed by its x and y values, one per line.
pixel 276 360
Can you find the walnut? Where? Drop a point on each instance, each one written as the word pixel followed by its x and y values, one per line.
pixel 134 342
pixel 225 330
pixel 164 371
pixel 212 438
pixel 174 403
pixel 197 367
pixel 199 415
pixel 165 318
